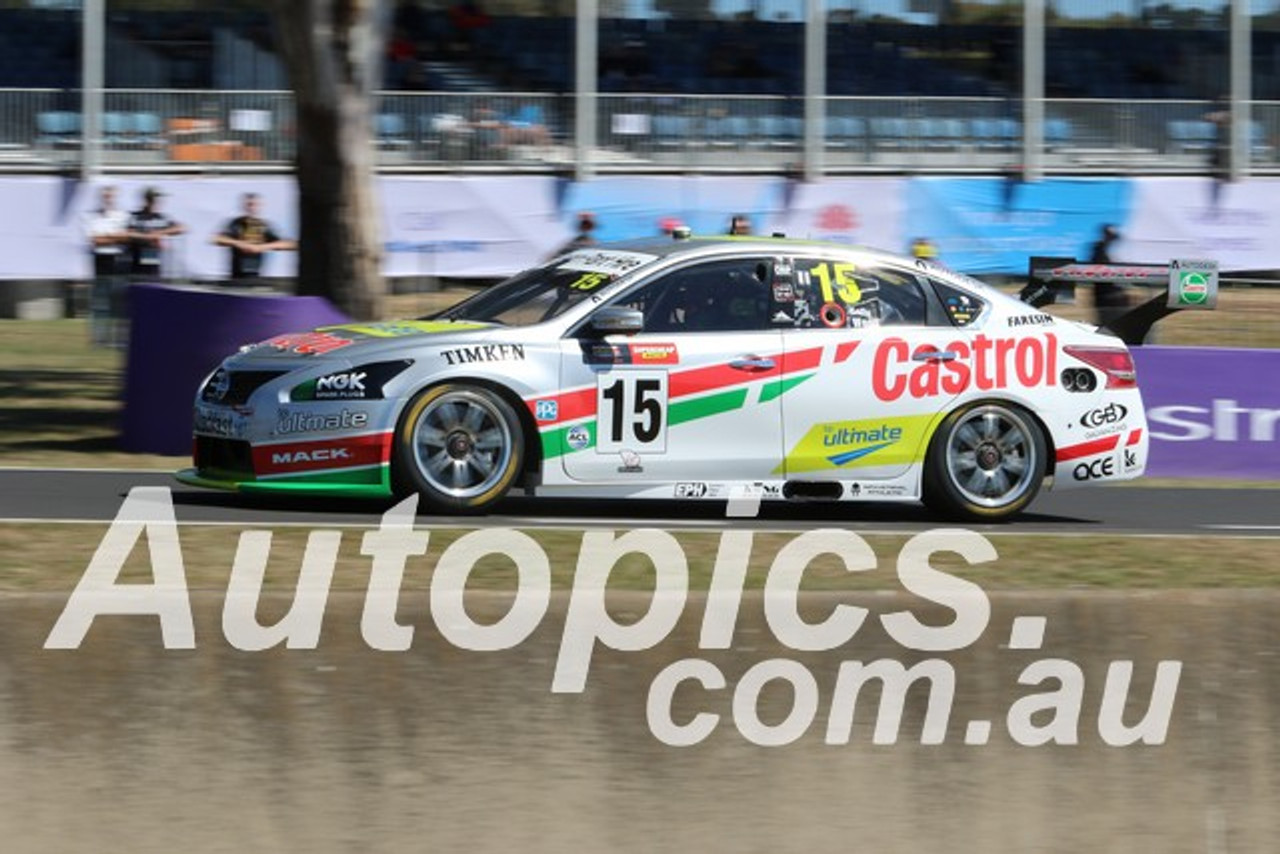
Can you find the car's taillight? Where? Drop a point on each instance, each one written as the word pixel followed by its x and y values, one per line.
pixel 1116 363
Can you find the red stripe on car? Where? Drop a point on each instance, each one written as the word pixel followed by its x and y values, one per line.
pixel 845 350
pixel 1088 449
pixel 581 403
pixel 346 452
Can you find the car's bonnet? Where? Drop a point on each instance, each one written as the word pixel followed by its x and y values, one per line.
pixel 358 341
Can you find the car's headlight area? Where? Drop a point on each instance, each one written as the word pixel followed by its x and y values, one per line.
pixel 229 387
pixel 362 382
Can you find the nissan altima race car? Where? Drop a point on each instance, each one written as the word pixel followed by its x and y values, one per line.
pixel 695 369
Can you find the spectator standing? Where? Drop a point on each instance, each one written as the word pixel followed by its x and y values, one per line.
pixel 250 237
pixel 924 249
pixel 107 230
pixel 1220 154
pixel 1110 299
pixel 739 224
pixel 148 228
pixel 585 236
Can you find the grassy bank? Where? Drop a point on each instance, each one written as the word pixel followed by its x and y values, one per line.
pixel 51 557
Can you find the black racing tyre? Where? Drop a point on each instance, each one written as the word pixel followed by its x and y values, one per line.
pixel 986 462
pixel 459 446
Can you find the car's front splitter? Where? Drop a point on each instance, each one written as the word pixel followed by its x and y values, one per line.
pixel 324 483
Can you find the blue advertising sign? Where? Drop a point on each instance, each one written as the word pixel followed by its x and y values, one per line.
pixel 628 207
pixel 993 225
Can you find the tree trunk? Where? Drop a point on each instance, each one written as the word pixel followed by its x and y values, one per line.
pixel 333 51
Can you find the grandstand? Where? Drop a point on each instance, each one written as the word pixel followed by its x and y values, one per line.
pixel 187 87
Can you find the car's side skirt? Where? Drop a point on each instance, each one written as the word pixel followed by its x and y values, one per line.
pixel 904 488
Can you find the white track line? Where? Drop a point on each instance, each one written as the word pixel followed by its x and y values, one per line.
pixel 596 524
pixel 90 470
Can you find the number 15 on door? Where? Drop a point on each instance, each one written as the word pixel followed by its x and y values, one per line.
pixel 631 412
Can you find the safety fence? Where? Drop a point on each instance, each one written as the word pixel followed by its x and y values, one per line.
pixel 253 129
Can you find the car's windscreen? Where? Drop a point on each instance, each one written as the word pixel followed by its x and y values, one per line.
pixel 543 293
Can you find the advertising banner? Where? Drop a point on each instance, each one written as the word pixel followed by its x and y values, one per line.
pixel 1234 224
pixel 864 211
pixel 1211 412
pixel 40 232
pixel 632 206
pixel 993 225
pixel 486 227
pixel 431 225
pixel 496 225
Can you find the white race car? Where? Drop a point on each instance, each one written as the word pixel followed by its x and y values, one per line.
pixel 698 369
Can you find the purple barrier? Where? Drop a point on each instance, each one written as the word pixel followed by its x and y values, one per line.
pixel 178 335
pixel 1212 412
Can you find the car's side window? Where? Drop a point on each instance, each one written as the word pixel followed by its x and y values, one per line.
pixel 961 308
pixel 840 294
pixel 729 295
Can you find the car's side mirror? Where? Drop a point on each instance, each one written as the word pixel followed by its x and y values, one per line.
pixel 617 320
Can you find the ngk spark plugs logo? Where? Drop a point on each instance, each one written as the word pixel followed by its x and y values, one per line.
pixel 1047 705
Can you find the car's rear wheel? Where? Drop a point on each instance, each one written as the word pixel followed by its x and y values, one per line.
pixel 986 462
pixel 459 446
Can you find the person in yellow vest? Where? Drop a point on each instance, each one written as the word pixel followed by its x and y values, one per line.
pixel 924 248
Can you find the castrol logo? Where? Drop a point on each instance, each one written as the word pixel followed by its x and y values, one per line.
pixel 982 363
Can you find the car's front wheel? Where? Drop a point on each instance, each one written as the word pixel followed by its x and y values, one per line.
pixel 986 462
pixel 459 446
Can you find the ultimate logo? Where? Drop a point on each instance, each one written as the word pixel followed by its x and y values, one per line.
pixel 869 442
pixel 863 442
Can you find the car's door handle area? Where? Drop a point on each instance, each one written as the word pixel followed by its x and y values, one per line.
pixel 935 356
pixel 752 363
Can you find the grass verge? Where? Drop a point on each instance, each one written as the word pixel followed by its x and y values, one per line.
pixel 29 564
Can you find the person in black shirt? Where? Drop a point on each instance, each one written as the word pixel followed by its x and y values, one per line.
pixel 148 228
pixel 1110 299
pixel 249 237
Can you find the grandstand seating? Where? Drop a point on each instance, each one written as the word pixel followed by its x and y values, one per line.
pixel 756 65
pixel 392 131
pixel 39 48
pixel 58 129
pixel 1191 135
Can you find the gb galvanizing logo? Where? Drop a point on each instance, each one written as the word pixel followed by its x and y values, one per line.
pixel 866 442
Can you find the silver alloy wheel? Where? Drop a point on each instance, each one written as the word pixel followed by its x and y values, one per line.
pixel 991 456
pixel 462 444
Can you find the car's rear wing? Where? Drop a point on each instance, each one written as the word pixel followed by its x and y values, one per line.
pixel 1187 284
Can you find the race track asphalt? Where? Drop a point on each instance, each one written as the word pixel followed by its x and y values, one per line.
pixel 96 495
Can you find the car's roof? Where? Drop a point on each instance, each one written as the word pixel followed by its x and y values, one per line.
pixel 667 246
pixel 712 246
